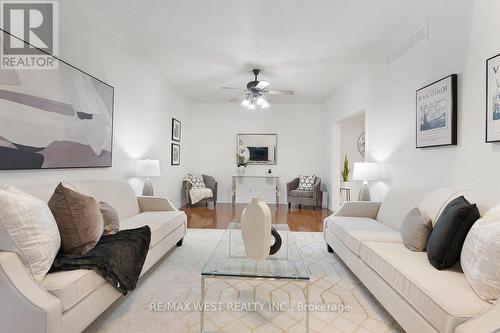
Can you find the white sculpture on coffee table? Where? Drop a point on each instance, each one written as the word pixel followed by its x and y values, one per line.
pixel 256 230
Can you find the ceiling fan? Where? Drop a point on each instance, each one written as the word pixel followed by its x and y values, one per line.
pixel 256 93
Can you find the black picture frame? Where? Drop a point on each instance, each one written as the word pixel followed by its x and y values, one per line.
pixel 489 97
pixel 176 130
pixel 451 137
pixel 3 31
pixel 175 160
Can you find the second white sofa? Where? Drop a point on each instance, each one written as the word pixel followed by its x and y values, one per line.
pixel 67 302
pixel 365 235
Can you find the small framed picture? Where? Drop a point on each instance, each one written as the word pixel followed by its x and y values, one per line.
pixel 436 113
pixel 176 130
pixel 493 99
pixel 175 154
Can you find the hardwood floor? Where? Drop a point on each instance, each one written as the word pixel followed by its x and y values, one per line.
pixel 305 219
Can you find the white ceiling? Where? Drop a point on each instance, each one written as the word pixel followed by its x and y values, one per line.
pixel 309 46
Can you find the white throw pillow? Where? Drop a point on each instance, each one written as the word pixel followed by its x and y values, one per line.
pixel 197 181
pixel 28 228
pixel 480 257
pixel 306 183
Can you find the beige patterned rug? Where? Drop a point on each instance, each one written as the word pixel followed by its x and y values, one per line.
pixel 167 298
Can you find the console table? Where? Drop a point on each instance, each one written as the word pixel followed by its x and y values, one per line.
pixel 273 178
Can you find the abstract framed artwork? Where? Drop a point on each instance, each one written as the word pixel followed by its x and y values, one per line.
pixel 175 154
pixel 493 99
pixel 176 130
pixel 59 118
pixel 436 113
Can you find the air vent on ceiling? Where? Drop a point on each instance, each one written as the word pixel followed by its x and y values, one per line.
pixel 419 36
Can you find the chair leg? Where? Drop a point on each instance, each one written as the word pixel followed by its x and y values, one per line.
pixel 215 204
pixel 329 248
pixel 300 206
pixel 314 208
pixel 289 205
pixel 179 243
pixel 206 204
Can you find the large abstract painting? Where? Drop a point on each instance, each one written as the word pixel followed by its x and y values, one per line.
pixel 54 119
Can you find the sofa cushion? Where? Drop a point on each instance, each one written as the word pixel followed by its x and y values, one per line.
pixel 444 298
pixel 72 286
pixel 161 223
pixel 301 193
pixel 352 231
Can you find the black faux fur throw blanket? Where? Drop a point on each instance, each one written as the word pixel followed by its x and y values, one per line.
pixel 118 258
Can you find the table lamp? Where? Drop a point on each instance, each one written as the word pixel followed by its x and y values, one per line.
pixel 147 169
pixel 366 172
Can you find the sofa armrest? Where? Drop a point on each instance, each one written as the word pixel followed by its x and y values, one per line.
pixel 367 209
pixel 154 204
pixel 487 322
pixel 24 305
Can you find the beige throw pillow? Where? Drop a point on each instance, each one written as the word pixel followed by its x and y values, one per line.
pixel 79 220
pixel 415 230
pixel 480 257
pixel 28 228
pixel 110 217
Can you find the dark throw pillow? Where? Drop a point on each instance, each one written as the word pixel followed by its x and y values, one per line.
pixel 110 217
pixel 448 236
pixel 78 218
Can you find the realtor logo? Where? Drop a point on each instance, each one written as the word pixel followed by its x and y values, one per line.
pixel 30 35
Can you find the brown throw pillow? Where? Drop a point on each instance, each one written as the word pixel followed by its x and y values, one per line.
pixel 110 217
pixel 78 218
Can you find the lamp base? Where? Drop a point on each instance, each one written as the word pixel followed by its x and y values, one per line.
pixel 364 193
pixel 147 190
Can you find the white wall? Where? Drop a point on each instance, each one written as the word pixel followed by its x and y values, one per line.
pixel 301 143
pixel 462 35
pixel 144 103
pixel 350 130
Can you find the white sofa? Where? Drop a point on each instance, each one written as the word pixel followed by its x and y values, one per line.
pixel 69 301
pixel 365 235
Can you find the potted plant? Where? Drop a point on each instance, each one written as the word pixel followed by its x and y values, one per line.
pixel 242 157
pixel 345 173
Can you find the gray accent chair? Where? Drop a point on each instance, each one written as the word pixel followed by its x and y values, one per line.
pixel 312 198
pixel 209 182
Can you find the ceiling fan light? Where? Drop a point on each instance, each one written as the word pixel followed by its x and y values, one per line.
pixel 251 107
pixel 245 102
pixel 265 105
pixel 261 101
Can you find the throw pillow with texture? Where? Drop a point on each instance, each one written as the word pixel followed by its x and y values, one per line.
pixel 28 229
pixel 415 230
pixel 197 181
pixel 110 217
pixel 79 220
pixel 448 236
pixel 480 257
pixel 306 183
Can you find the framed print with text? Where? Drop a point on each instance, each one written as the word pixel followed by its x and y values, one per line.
pixel 436 113
pixel 493 99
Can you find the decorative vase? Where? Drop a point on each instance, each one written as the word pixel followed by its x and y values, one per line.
pixel 256 230
pixel 242 170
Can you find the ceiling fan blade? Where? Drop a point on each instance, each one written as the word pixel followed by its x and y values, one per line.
pixel 236 99
pixel 279 92
pixel 231 88
pixel 262 85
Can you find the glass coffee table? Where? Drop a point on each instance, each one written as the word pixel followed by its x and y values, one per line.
pixel 229 262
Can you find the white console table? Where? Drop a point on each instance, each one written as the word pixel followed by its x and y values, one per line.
pixel 276 181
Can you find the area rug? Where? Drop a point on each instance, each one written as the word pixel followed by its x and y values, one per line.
pixel 167 296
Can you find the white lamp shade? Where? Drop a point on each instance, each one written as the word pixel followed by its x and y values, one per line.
pixel 147 168
pixel 366 171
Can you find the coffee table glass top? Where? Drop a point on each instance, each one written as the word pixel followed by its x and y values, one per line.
pixel 229 258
